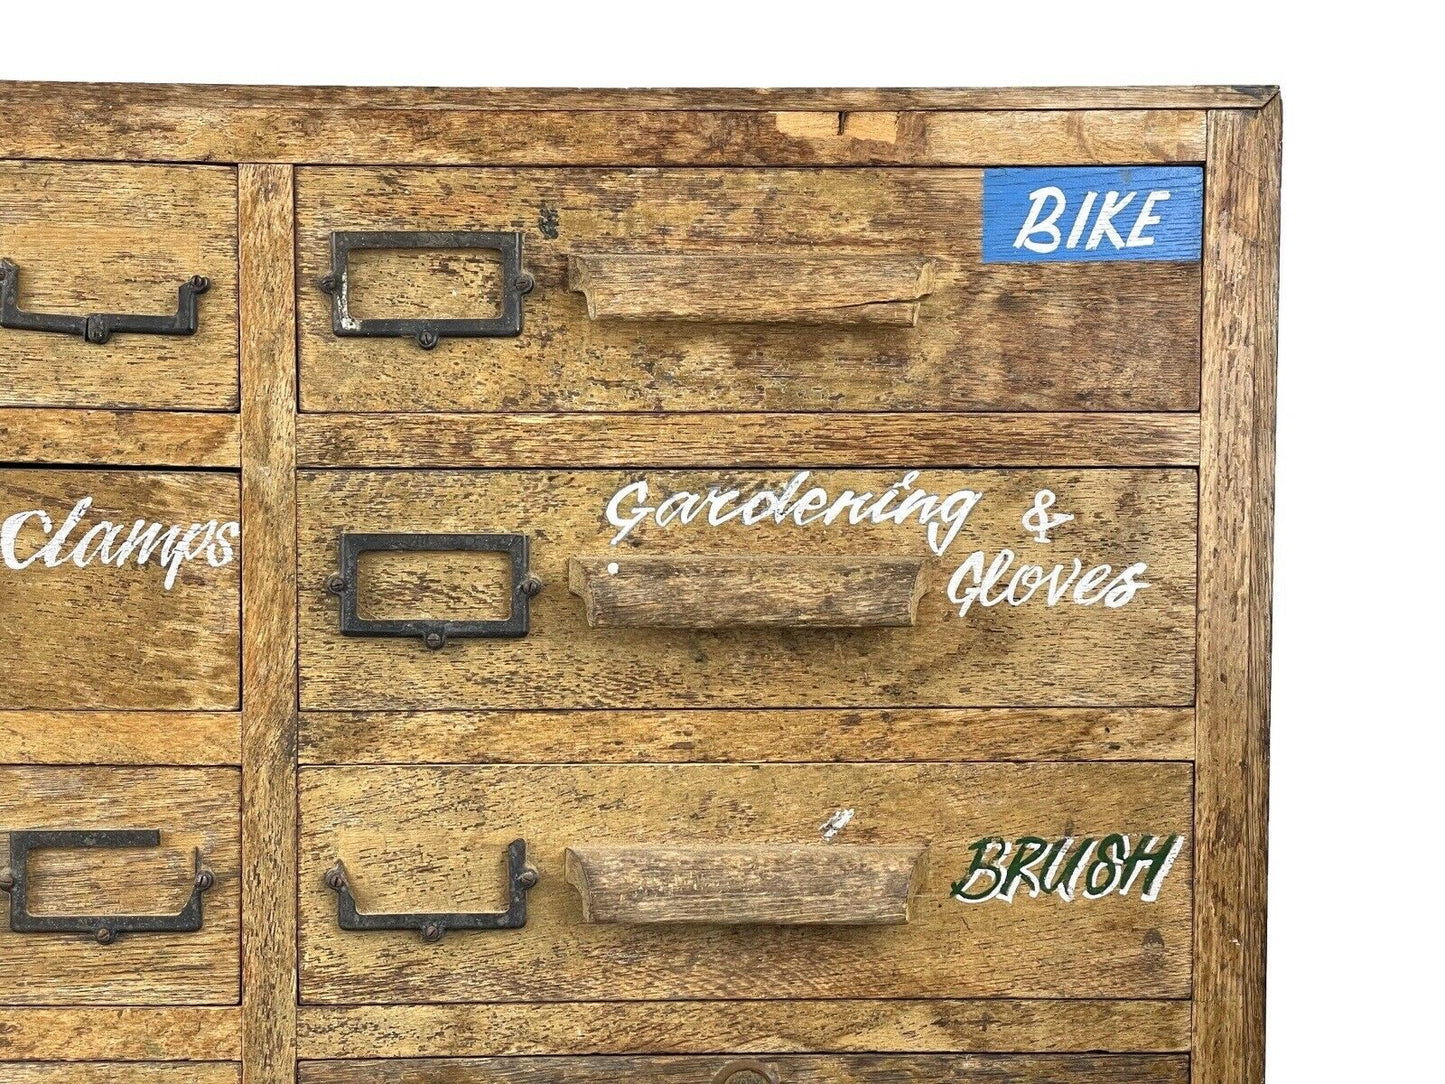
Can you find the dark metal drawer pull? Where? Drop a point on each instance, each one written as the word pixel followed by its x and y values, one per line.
pixel 98 327
pixel 520 877
pixel 428 332
pixel 104 928
pixel 433 633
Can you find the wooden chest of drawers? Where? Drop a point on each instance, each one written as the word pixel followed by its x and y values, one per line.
pixel 686 586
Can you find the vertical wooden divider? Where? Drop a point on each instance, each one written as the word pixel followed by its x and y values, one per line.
pixel 268 623
pixel 1236 519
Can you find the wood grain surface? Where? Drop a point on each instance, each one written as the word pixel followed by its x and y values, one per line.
pixel 121 737
pixel 1068 655
pixel 747 440
pixel 99 1033
pixel 191 807
pixel 742 884
pixel 120 239
pixel 888 735
pixel 1236 501
pixel 794 1069
pixel 989 336
pixel 268 722
pixel 104 636
pixel 937 1025
pixel 687 592
pixel 100 1072
pixel 872 289
pixel 119 438
pixel 433 838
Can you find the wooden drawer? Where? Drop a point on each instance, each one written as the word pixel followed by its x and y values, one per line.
pixel 742 881
pixel 192 818
pixel 747 616
pixel 136 605
pixel 119 239
pixel 714 290
pixel 117 1072
pixel 792 1069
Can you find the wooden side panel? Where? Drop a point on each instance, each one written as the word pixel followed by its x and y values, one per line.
pixel 99 1072
pixel 989 336
pixel 99 1033
pixel 937 1025
pixel 120 239
pixel 813 1069
pixel 1236 500
pixel 268 748
pixel 113 635
pixel 433 838
pixel 501 737
pixel 1068 654
pixel 191 808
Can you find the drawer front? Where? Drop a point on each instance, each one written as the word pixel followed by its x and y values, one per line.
pixel 131 600
pixel 121 240
pixel 740 289
pixel 772 614
pixel 745 881
pixel 117 1072
pixel 792 1069
pixel 91 885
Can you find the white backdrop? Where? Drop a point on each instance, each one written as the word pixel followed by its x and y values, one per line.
pixel 1355 908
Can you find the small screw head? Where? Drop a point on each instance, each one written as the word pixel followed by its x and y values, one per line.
pixel 335 879
pixel 427 339
pixel 525 283
pixel 327 284
pixel 435 639
pixel 205 880
pixel 96 330
pixel 528 877
pixel 336 583
pixel 432 931
pixel 105 935
pixel 200 284
pixel 531 587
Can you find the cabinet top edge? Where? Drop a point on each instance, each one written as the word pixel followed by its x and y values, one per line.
pixel 14 94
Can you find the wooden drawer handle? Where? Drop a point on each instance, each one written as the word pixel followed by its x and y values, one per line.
pixel 98 327
pixel 426 331
pixel 431 926
pixel 779 885
pixel 746 1072
pixel 104 928
pixel 344 584
pixel 848 290
pixel 722 592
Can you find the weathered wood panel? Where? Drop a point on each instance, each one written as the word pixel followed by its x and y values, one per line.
pixel 1140 653
pixel 747 440
pixel 133 1034
pixel 795 1069
pixel 432 838
pixel 747 1027
pixel 897 735
pixel 268 494
pixel 118 438
pixel 370 132
pixel 192 808
pixel 759 592
pixel 121 737
pixel 848 885
pixel 1236 500
pixel 989 336
pixel 120 239
pixel 108 635
pixel 100 1072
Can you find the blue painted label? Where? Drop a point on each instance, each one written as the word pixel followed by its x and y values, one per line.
pixel 1072 214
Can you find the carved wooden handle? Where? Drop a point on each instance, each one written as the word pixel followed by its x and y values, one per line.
pixel 745 288
pixel 722 592
pixel 821 884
